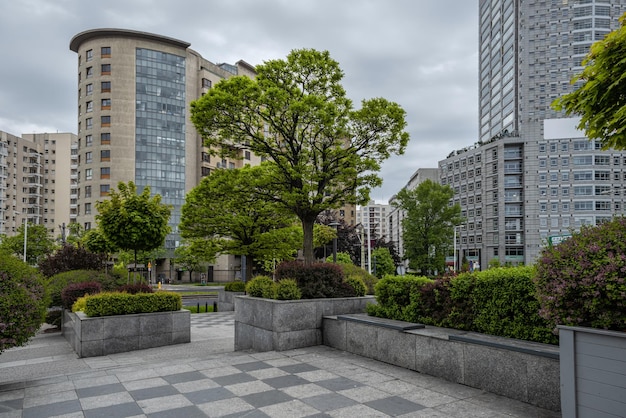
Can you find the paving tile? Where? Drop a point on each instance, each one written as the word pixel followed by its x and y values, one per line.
pixel 285 381
pixel 226 407
pixel 52 409
pixel 394 406
pixel 195 385
pixel 316 376
pixel 395 387
pixel 364 394
pixel 298 368
pixel 339 383
pixel 465 409
pixel 328 402
pixel 271 397
pixel 253 365
pixel 233 379
pixel 291 409
pixel 361 411
pixel 105 400
pixel 12 394
pixel 11 405
pixel 100 390
pixel 219 371
pixel 209 395
pixel 63 386
pixel 164 403
pixel 184 377
pixel 153 392
pixel 119 410
pixel 255 413
pixel 186 412
pixel 305 391
pixel 145 383
pixel 94 381
pixel 50 398
pixel 247 388
pixel 267 373
pixel 428 398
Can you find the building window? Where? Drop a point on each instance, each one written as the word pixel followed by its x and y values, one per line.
pixel 206 157
pixel 87 208
pixel 89 107
pixel 105 104
pixel 206 83
pixel 105 87
pixel 89 123
pixel 105 120
pixel 89 55
pixel 88 157
pixel 89 89
pixel 105 69
pixel 105 155
pixel 104 189
pixel 89 72
pixel 105 172
pixel 105 138
pixel 105 52
pixel 247 155
pixel 88 174
pixel 205 171
pixel 87 226
pixel 88 140
pixel 87 191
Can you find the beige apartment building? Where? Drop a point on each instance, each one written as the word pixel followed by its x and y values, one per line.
pixel 35 181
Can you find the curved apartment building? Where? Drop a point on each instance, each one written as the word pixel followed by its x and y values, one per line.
pixel 134 90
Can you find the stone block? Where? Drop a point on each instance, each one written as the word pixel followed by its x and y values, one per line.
pixel 244 336
pixel 262 339
pixel 91 329
pixel 289 340
pixel 120 344
pixel 361 339
pixel 90 349
pixel 158 323
pixel 395 347
pixel 155 340
pixel 120 326
pixel 441 358
pixel 293 316
pixel 181 321
pixel 334 333
pixel 544 382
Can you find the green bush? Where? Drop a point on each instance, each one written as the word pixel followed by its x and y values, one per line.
pixel 350 270
pixel 117 303
pixel 318 280
pixel 73 291
pixel 22 302
pixel 357 284
pixel 236 286
pixel 582 280
pixel 58 282
pixel 342 258
pixel 287 289
pixel 395 295
pixel 261 287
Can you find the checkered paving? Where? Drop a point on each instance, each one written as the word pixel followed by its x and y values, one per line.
pixel 208 320
pixel 300 383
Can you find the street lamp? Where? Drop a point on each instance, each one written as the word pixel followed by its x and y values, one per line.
pixel 334 225
pixel 25 236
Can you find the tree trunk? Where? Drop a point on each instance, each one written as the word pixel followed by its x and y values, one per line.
pixel 307 248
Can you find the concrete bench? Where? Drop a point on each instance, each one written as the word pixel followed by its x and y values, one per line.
pixel 381 322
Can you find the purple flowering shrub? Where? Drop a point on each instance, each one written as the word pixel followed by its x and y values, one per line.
pixel 582 280
pixel 22 302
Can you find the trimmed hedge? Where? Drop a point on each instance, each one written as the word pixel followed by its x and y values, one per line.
pixel 22 302
pixel 261 287
pixel 497 301
pixel 287 289
pixel 58 282
pixel 318 280
pixel 117 303
pixel 236 286
pixel 350 270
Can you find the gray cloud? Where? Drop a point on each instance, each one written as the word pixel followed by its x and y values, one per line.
pixel 421 54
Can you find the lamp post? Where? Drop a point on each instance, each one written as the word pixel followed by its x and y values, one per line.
pixel 334 225
pixel 25 236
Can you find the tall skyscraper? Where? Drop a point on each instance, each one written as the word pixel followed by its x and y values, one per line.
pixel 532 178
pixel 134 90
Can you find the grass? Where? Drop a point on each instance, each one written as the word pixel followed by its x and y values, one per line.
pixel 194 309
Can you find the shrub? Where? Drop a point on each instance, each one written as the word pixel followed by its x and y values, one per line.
pixel 350 270
pixel 135 288
pixel 80 304
pixel 261 287
pixel 357 285
pixel 342 258
pixel 73 291
pixel 117 303
pixel 318 280
pixel 58 282
pixel 395 295
pixel 22 302
pixel 581 281
pixel 236 286
pixel 68 258
pixel 287 289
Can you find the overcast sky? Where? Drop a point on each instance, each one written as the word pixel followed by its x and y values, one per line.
pixel 421 54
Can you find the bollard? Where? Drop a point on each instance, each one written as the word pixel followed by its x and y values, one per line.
pixel 214 306
pixel 206 307
pixel 198 307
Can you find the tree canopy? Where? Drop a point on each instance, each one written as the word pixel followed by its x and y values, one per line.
pixel 223 214
pixel 428 227
pixel 38 243
pixel 321 153
pixel 131 221
pixel 601 98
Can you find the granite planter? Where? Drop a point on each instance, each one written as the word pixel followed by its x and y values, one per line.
pixel 278 325
pixel 101 336
pixel 593 372
pixel 226 300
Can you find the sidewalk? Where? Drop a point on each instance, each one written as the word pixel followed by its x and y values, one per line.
pixel 206 378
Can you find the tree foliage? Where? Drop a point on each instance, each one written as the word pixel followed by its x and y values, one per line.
pixel 68 258
pixel 38 243
pixel 428 227
pixel 321 152
pixel 131 221
pixel 223 214
pixel 600 98
pixel 382 262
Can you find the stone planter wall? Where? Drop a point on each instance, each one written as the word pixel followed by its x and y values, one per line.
pixel 226 300
pixel 105 335
pixel 517 369
pixel 593 372
pixel 277 325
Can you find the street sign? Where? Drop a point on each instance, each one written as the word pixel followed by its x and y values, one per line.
pixel 557 239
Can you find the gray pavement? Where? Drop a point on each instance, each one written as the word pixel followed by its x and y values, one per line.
pixel 206 378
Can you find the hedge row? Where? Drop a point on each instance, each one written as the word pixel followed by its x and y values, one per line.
pixel 498 301
pixel 115 303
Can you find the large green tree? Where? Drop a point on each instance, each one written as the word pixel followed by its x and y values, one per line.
pixel 428 227
pixel 133 222
pixel 601 98
pixel 223 214
pixel 38 243
pixel 321 152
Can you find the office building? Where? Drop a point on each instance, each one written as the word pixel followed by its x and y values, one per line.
pixel 373 216
pixel 532 178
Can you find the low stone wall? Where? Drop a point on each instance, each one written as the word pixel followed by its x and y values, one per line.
pixel 100 336
pixel 278 325
pixel 517 369
pixel 226 300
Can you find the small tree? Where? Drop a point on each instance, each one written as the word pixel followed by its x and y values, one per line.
pixel 68 258
pixel 600 98
pixel 131 221
pixel 321 153
pixel 383 263
pixel 38 243
pixel 428 227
